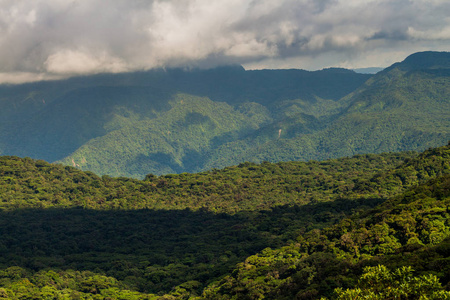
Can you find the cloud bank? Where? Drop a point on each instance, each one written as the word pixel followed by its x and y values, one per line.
pixel 55 38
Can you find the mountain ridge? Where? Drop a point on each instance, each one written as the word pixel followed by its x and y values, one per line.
pixel 290 115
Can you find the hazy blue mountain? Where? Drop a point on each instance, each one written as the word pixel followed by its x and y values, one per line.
pixel 370 70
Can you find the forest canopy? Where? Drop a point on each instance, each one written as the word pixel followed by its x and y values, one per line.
pixel 283 230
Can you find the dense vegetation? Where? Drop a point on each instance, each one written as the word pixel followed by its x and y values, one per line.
pixel 157 121
pixel 404 107
pixel 412 229
pixel 28 183
pixel 177 121
pixel 279 231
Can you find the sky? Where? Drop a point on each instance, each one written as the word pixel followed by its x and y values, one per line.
pixel 50 39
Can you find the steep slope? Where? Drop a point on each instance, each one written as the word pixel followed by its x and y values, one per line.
pixel 404 107
pixel 411 230
pixel 174 141
pixel 79 116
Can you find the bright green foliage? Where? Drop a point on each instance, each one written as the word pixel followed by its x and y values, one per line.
pixel 17 283
pixel 172 142
pixel 244 187
pixel 412 228
pixel 401 108
pixel 378 283
pixel 395 110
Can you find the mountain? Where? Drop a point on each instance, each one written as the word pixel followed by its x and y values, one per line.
pixel 370 70
pixel 401 108
pixel 157 121
pixel 175 121
pixel 279 231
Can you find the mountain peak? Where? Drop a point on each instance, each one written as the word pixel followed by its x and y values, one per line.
pixel 426 60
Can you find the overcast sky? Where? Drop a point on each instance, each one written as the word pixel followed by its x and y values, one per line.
pixel 43 39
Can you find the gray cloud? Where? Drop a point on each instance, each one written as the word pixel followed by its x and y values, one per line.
pixel 51 38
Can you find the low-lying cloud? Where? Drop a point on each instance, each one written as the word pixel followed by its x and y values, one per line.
pixel 51 38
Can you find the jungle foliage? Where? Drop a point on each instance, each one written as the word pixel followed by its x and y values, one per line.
pixel 290 230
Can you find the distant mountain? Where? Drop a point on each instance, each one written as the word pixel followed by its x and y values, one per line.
pixel 404 107
pixel 424 61
pixel 174 121
pixel 372 70
pixel 158 121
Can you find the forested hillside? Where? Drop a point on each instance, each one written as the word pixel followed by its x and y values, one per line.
pixel 27 183
pixel 411 229
pixel 404 107
pixel 175 121
pixel 279 231
pixel 157 121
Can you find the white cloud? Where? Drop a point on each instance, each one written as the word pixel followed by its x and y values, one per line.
pixel 434 34
pixel 83 62
pixel 60 37
pixel 20 77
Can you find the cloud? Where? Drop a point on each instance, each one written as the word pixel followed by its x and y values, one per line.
pixel 69 61
pixel 51 38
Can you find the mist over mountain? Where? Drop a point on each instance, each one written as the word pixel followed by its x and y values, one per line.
pixel 175 120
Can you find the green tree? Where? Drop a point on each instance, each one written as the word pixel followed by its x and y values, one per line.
pixel 379 283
